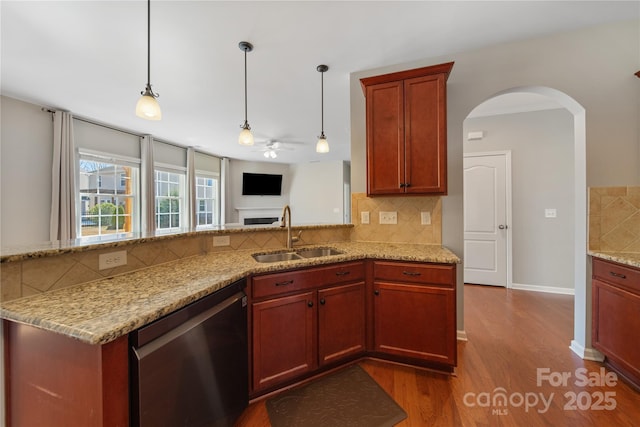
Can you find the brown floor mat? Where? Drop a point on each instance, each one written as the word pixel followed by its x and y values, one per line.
pixel 346 398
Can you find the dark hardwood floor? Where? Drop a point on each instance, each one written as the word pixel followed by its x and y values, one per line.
pixel 512 335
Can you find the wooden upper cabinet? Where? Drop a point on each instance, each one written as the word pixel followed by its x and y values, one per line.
pixel 407 131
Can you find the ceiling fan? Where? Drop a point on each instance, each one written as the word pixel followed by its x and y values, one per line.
pixel 272 147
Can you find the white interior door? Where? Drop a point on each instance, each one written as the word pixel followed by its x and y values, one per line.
pixel 486 195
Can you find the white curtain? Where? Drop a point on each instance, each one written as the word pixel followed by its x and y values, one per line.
pixel 63 179
pixel 191 187
pixel 224 189
pixel 148 185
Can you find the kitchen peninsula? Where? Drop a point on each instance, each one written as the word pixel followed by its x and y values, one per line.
pixel 95 318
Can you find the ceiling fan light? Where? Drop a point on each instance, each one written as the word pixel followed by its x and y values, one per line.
pixel 322 146
pixel 246 137
pixel 148 107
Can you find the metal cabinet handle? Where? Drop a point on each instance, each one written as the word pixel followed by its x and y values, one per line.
pixel 343 273
pixel 614 274
pixel 502 227
pixel 411 273
pixel 288 282
pixel 310 303
pixel 322 301
pixel 376 292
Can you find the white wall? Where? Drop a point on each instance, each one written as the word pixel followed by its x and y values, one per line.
pixel 26 152
pixel 594 66
pixel 237 200
pixel 541 145
pixel 317 193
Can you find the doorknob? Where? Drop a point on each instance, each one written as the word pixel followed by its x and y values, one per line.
pixel 502 227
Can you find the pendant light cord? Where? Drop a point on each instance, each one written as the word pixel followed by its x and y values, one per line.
pixel 149 43
pixel 322 103
pixel 245 86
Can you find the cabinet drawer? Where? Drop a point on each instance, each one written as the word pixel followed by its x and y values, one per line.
pixel 297 280
pixel 439 274
pixel 617 274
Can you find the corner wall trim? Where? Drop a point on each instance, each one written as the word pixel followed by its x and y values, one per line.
pixel 586 353
pixel 548 289
pixel 462 335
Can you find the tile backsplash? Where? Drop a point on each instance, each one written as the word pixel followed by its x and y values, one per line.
pixel 409 228
pixel 614 219
pixel 38 275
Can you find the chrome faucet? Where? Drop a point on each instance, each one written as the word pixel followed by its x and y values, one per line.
pixel 287 223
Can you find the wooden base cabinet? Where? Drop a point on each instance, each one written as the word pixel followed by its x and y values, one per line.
pixel 415 311
pixel 304 320
pixel 616 316
pixel 54 380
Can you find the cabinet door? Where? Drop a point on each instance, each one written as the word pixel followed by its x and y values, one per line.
pixel 284 339
pixel 616 322
pixel 385 138
pixel 341 322
pixel 415 321
pixel 425 134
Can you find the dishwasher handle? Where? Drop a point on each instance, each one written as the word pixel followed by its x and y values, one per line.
pixel 185 327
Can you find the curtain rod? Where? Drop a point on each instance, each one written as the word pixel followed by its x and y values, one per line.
pixel 130 132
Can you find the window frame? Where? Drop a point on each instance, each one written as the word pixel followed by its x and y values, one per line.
pixel 116 161
pixel 182 199
pixel 215 210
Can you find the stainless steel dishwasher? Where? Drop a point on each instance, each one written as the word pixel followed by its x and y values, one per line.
pixel 190 367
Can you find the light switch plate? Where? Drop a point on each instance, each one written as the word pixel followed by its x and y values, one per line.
pixel 112 260
pixel 364 217
pixel 388 217
pixel 221 240
pixel 550 213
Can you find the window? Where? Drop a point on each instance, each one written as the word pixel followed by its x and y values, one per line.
pixel 169 200
pixel 108 196
pixel 206 200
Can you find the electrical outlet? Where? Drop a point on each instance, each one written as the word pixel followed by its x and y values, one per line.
pixel 550 213
pixel 112 260
pixel 388 217
pixel 425 218
pixel 221 240
pixel 364 217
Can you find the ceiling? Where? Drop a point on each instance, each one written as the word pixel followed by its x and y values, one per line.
pixel 90 57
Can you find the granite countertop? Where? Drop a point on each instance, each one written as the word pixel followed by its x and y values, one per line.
pixel 101 311
pixel 631 259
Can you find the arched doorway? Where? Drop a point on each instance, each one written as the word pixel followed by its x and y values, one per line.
pixel 582 311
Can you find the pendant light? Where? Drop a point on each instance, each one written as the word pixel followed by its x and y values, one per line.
pixel 322 146
pixel 246 138
pixel 147 106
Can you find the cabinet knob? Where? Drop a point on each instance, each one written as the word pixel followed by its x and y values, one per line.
pixel 376 292
pixel 322 301
pixel 310 303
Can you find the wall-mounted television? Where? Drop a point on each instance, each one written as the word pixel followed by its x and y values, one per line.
pixel 261 184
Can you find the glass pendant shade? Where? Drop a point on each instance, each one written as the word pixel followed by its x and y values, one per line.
pixel 322 146
pixel 246 137
pixel 148 108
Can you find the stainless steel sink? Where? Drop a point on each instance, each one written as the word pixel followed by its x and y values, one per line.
pixel 317 252
pixel 280 256
pixel 299 254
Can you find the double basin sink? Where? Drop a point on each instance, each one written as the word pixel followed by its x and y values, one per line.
pixel 299 254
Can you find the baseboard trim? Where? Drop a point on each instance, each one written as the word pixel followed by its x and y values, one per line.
pixel 462 335
pixel 547 289
pixel 586 353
